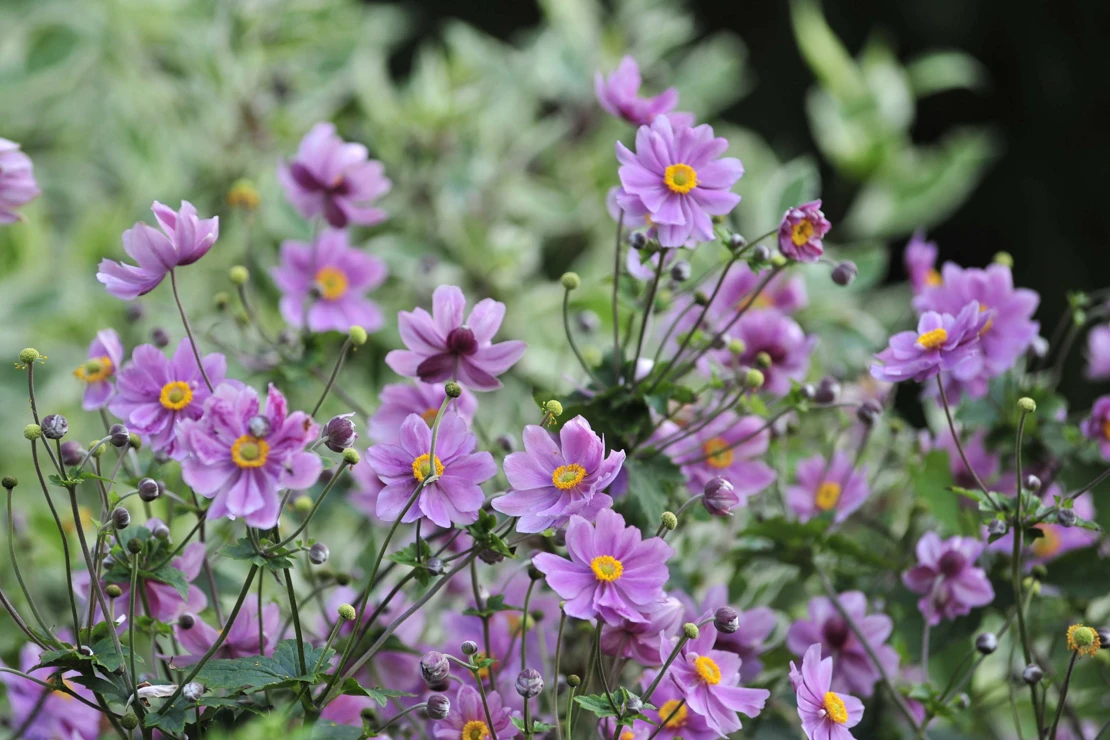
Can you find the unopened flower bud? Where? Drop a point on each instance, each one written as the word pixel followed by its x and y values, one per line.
pixel 339 433
pixel 120 436
pixel 869 412
pixel 434 566
pixel 95 448
pixel 112 591
pixel 1032 674
pixel 490 556
pixel 186 621
pixel 72 453
pixel 342 579
pixel 529 683
pixel 134 545
pixel 720 497
pixel 701 298
pixel 726 620
pixel 778 260
pixel 844 273
pixel 1027 404
pixel 574 681
pixel 54 426
pixel 10 482
pixel 681 271
pixel 761 253
pixel 996 526
pixel 29 355
pixel 135 440
pixel 434 667
pixel 534 573
pixel 827 390
pixel 636 240
pixel 31 432
pixel 238 275
pixel 439 706
pixel 469 647
pixel 668 520
pixel 193 691
pixel 149 490
pixel 1004 258
pixel 690 630
pixel 1066 517
pixel 357 335
pixel 452 389
pixel 159 337
pixel 986 643
pixel 129 721
pixel 962 700
pixel 763 359
pixel 808 391
pixel 1032 483
pixel 587 321
pixel 220 301
pixel 1104 638
pixel 506 442
pixel 736 241
pixel 161 531
pixel 121 518
pixel 318 554
pixel 347 612
pixel 570 280
pixel 302 504
pixel 754 379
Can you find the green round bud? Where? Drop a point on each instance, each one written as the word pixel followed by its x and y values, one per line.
pixel 221 300
pixel 357 335
pixel 135 440
pixel 347 612
pixel 778 260
pixel 342 579
pixel 554 408
pixel 570 280
pixel 574 681
pixel 1004 258
pixel 763 359
pixel 754 379
pixel 95 448
pixel 351 456
pixel 238 275
pixel 112 591
pixel 668 520
pixel 129 721
pixel 302 504
pixel 32 432
pixel 29 355
pixel 691 631
pixel 701 298
pixel 452 389
pixel 10 482
pixel 1027 404
pixel 737 346
pixel 135 546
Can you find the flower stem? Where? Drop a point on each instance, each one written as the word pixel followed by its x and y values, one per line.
pixel 618 352
pixel 19 577
pixel 189 330
pixel 960 446
pixel 334 374
pixel 555 681
pixel 312 512
pixel 663 671
pixel 296 622
pixel 648 306
pixel 1063 697
pixel 573 344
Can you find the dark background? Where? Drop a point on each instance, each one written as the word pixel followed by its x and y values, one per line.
pixel 1044 201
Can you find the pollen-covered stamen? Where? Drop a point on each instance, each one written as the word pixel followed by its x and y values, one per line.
pixel 828 494
pixel 933 279
pixel 674 707
pixel 707 670
pixel 1106 429
pixel 421 469
pixel 680 178
pixel 607 568
pixel 835 709
pixel 933 339
pixel 718 453
pixel 990 322
pixel 332 283
pixel 249 451
pixel 474 730
pixel 566 477
pixel 175 395
pixel 94 370
pixel 802 232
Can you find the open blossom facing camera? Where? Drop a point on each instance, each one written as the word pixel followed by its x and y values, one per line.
pixel 825 486
pixel 467 719
pixel 947 577
pixel 678 177
pixel 184 238
pixel 454 495
pixel 801 231
pixel 942 343
pixel 398 400
pixel 728 447
pixel 553 479
pixel 241 455
pixel 619 95
pixel 612 573
pixel 442 346
pixel 327 281
pixel 17 181
pixel 155 393
pixel 99 370
pixel 335 179
pixel 825 714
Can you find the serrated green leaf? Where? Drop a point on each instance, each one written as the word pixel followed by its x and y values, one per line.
pixel 259 672
pixel 381 696
pixel 654 482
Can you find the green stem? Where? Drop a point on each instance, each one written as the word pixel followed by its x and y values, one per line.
pixel 189 330
pixel 1063 696
pixel 312 512
pixel 960 446
pixel 555 681
pixel 334 374
pixel 618 353
pixel 632 382
pixel 573 344
pixel 22 584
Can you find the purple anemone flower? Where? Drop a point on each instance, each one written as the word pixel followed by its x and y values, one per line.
pixel 749 641
pixel 154 393
pixel 825 714
pixel 397 400
pixel 920 259
pixel 43 714
pixel 467 719
pixel 678 720
pixel 825 486
pixel 771 333
pixel 17 181
pixel 104 357
pixel 942 342
pixel 727 447
pixel 709 681
pixel 612 573
pixel 1055 539
pixel 327 281
pixel 855 673
pixel 1098 353
pixel 242 456
pixel 442 346
pixel 1097 425
pixel 947 577
pixel 183 240
pixel 335 178
pixel 551 480
pixel 679 179
pixel 619 95
pixel 242 637
pixel 785 292
pixel 454 495
pixel 365 487
pixel 801 231
pixel 639 641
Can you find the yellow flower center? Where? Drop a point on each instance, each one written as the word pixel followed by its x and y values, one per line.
pixel 474 730
pixel 680 178
pixel 176 395
pixel 678 709
pixel 332 282
pixel 249 451
pixel 1083 640
pixel 62 694
pixel 628 735
pixel 1106 429
pixel 933 278
pixel 933 339
pixel 94 370
pixel 566 477
pixel 607 568
pixel 828 493
pixel 429 416
pixel 802 232
pixel 707 669
pixel 1047 545
pixel 421 469
pixel 718 453
pixel 990 321
pixel 835 709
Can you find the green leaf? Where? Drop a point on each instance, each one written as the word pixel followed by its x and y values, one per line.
pixel 173 577
pixel 597 704
pixel 331 731
pixel 932 483
pixel 259 672
pixel 244 550
pixel 171 720
pixel 101 686
pixel 653 482
pixel 494 604
pixel 381 696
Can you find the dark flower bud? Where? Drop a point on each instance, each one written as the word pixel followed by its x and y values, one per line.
pixel 159 337
pixel 736 241
pixel 339 433
pixel 506 442
pixel 962 701
pixel 534 573
pixel 434 667
pixel 844 273
pixel 10 482
pixel 186 621
pixel 1032 674
pixel 112 591
pixel 720 497
pixel 133 312
pixel 574 681
pixel 72 453
pixel 490 556
pixel 529 683
pixel 439 706
pixel 193 691
pixel 54 426
pixel 761 253
pixel 1066 517
pixel 726 620
pixel 634 704
pixel 161 531
pixel 1104 638
pixel 121 518
pixel 996 526
pixel 318 554
pixel 119 436
pixel 259 426
pixel 808 391
pixel 869 412
pixel 342 579
pixel 1032 483
pixel 701 298
pixel 827 390
pixel 587 321
pixel 149 489
pixel 434 566
pixel 986 643
pixel 681 271
pixel 637 240
pixel 560 538
pixel 469 647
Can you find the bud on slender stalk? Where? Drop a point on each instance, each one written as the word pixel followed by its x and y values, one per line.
pixel 439 706
pixel 434 668
pixel 119 436
pixel 318 554
pixel 720 497
pixel 726 620
pixel 529 683
pixel 121 518
pixel 54 426
pixel 986 643
pixel 149 490
pixel 339 433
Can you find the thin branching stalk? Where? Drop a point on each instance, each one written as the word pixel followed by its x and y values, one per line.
pixel 189 331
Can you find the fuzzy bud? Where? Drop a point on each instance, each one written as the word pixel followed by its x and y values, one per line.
pixel 439 706
pixel 149 490
pixel 29 355
pixel 434 668
pixel 754 379
pixel 135 441
pixel 121 518
pixel 351 456
pixel 186 621
pixel 113 591
pixel 636 240
pixel 1004 258
pixel 763 359
pixel 668 520
pixel 318 554
pixel 529 683
pixel 469 647
pixel 134 545
pixel 574 681
pixel 996 526
pixel 119 435
pixel 736 241
pixel 31 432
pixel 869 412
pixel 761 253
pixel 827 390
pixel 95 448
pixel 434 566
pixel 10 482
pixel 691 631
pixel 54 426
pixel 1032 674
pixel 339 433
pixel 844 273
pixel 129 721
pixel 554 408
pixel 1066 517
pixel 720 497
pixel 779 260
pixel 986 643
pixel 238 275
pixel 357 335
pixel 452 389
pixel 347 612
pixel 1027 404
pixel 302 504
pixel 681 271
pixel 1032 483
pixel 570 280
